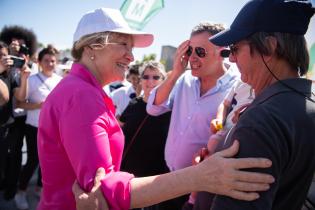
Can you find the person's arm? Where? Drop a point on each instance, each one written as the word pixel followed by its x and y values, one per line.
pixel 217 123
pixel 4 93
pixel 258 141
pixel 218 174
pixel 180 63
pixel 90 201
pixel 5 63
pixel 20 92
pixel 98 144
pixel 28 105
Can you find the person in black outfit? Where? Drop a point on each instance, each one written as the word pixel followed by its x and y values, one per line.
pixel 145 135
pixel 6 116
pixel 22 42
pixel 8 84
pixel 271 53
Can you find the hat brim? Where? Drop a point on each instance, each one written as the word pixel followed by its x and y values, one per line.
pixel 229 36
pixel 140 39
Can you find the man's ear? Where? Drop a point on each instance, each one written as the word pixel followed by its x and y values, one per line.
pixel 272 42
pixel 272 46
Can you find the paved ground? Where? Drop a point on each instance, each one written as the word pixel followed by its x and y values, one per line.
pixel 31 197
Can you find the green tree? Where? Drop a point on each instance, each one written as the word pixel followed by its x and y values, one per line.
pixel 150 57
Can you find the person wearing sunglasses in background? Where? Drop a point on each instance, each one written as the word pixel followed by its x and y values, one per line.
pixel 145 135
pixel 193 96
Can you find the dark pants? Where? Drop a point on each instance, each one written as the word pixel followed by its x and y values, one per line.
pixel 14 156
pixel 32 159
pixel 4 131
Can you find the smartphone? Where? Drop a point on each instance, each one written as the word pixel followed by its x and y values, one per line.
pixel 18 62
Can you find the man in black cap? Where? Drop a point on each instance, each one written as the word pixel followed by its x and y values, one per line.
pixel 267 44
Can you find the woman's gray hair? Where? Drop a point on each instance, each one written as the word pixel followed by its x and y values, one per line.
pixel 290 47
pixel 153 65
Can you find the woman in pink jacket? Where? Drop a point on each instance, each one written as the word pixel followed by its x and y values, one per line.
pixel 78 131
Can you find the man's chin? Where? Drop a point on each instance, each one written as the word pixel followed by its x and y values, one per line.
pixel 195 73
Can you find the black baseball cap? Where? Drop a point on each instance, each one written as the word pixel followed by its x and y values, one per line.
pixel 286 16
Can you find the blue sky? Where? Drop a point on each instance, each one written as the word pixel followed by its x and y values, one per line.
pixel 54 21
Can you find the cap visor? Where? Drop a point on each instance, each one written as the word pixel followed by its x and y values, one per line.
pixel 228 37
pixel 140 39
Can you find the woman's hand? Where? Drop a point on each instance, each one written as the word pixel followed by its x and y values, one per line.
pixel 221 174
pixel 93 200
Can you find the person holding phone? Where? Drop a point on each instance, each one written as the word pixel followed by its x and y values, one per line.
pixel 10 89
pixel 40 86
pixel 22 44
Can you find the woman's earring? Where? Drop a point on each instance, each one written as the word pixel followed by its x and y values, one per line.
pixel 92 57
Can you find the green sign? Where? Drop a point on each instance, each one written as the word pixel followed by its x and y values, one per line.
pixel 138 12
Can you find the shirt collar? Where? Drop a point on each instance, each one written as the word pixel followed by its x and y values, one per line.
pixel 302 85
pixel 229 75
pixel 79 70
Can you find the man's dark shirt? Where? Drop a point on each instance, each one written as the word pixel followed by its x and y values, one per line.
pixel 279 125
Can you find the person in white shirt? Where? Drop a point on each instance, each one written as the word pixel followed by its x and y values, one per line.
pixel 39 87
pixel 122 96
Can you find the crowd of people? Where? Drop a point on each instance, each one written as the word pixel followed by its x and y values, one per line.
pixel 234 131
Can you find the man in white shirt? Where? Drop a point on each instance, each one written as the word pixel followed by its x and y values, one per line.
pixel 123 95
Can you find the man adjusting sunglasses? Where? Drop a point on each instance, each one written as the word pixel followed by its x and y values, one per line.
pixel 200 51
pixel 193 95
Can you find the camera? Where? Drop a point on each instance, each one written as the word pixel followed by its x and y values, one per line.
pixel 18 62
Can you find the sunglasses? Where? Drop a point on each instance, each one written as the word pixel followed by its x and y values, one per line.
pixel 233 49
pixel 155 77
pixel 201 52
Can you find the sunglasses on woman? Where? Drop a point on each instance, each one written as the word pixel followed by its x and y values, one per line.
pixel 155 77
pixel 201 52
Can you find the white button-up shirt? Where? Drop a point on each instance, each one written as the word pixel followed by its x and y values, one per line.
pixel 191 115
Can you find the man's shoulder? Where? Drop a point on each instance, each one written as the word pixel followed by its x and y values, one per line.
pixel 120 91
